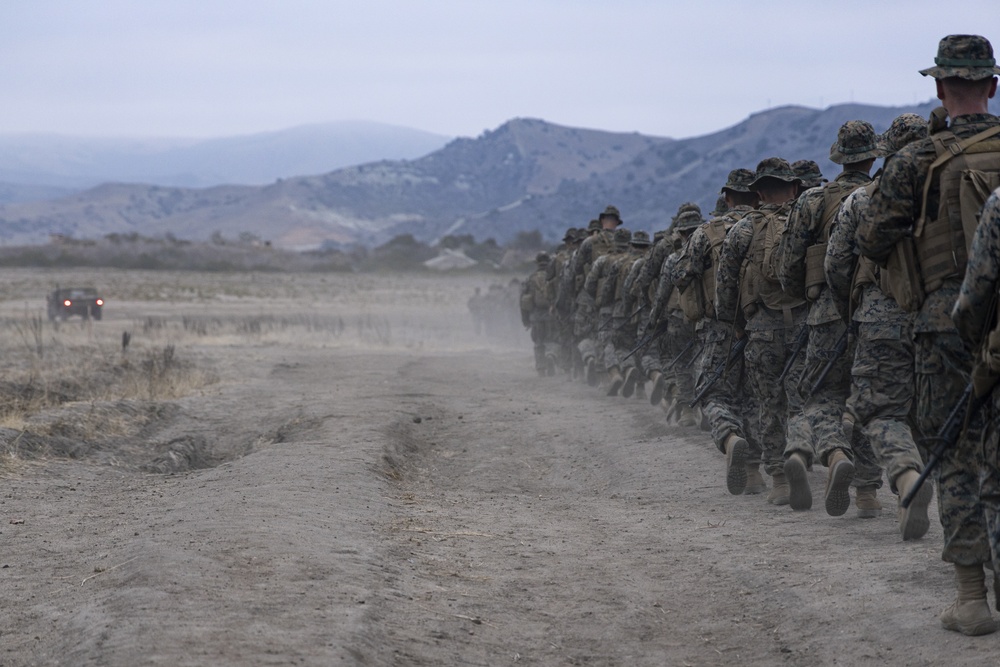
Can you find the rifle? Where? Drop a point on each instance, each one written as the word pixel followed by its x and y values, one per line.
pixel 800 342
pixel 673 362
pixel 838 350
pixel 966 408
pixel 694 357
pixel 623 324
pixel 720 370
pixel 660 329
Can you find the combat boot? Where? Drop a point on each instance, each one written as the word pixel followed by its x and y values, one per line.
pixel 913 521
pixel 755 482
pixel 969 613
pixel 687 416
pixel 867 502
pixel 628 386
pixel 615 381
pixel 779 489
pixel 838 482
pixel 736 464
pixel 656 392
pixel 640 391
pixel 799 494
pixel 590 371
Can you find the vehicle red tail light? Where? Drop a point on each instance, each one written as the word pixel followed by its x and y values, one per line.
pixel 100 302
pixel 67 303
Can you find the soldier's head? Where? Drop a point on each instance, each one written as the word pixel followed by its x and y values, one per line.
pixel 593 227
pixel 610 218
pixel 640 241
pixel 721 208
pixel 737 189
pixel 856 146
pixel 687 221
pixel 622 238
pixel 659 236
pixel 905 128
pixel 809 174
pixel 966 74
pixel 774 181
pixel 542 259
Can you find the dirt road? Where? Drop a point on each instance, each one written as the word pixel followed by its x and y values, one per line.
pixel 435 503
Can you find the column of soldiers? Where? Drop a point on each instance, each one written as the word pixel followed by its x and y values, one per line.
pixel 824 322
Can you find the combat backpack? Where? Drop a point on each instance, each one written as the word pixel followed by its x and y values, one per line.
pixel 834 195
pixel 759 282
pixel 968 170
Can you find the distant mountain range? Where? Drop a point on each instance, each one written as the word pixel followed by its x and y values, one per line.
pixel 525 175
pixel 69 164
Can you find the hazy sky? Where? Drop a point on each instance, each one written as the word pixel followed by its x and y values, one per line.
pixel 214 68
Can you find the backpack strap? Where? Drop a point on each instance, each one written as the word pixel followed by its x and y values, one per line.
pixel 947 146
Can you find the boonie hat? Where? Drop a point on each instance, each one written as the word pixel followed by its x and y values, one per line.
pixel 776 168
pixel 967 57
pixel 905 128
pixel 856 142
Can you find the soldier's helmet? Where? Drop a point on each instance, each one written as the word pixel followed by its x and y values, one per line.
pixel 542 259
pixel 967 57
pixel 688 221
pixel 570 235
pixel 610 212
pixel 721 208
pixel 739 180
pixel 640 239
pixel 774 168
pixel 593 226
pixel 659 236
pixel 856 142
pixel 622 237
pixel 905 128
pixel 809 173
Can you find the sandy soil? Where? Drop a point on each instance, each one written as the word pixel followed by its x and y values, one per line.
pixel 402 493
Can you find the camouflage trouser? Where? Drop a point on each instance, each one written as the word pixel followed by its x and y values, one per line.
pixel 989 491
pixel 941 366
pixel 765 356
pixel 679 336
pixel 719 403
pixel 881 398
pixel 819 427
pixel 542 335
pixel 623 339
pixel 564 337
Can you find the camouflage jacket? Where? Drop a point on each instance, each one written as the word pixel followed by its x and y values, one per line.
pixel 696 256
pixel 894 209
pixel 633 297
pixel 580 265
pixel 654 264
pixel 600 272
pixel 664 289
pixel 805 229
pixel 982 277
pixel 734 252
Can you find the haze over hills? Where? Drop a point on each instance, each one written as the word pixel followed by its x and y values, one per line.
pixel 527 174
pixel 66 164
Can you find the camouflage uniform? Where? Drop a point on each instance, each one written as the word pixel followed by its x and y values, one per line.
pixel 623 335
pixel 942 362
pixel 772 332
pixel 679 344
pixel 561 313
pixel 696 270
pixel 596 303
pixel 600 243
pixel 881 397
pixel 977 293
pixel 818 428
pixel 537 297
